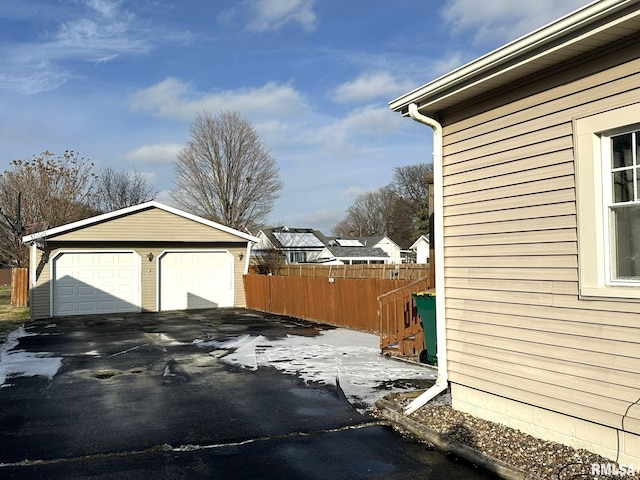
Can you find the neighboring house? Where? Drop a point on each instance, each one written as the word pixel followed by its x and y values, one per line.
pixel 421 249
pixel 385 243
pixel 149 257
pixel 299 245
pixel 352 252
pixel 537 201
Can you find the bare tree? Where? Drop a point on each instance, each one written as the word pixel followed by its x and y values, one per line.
pixel 368 215
pixel 400 210
pixel 55 190
pixel 224 173
pixel 409 183
pixel 120 189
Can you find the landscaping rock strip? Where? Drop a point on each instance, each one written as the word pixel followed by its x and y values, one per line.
pixel 511 454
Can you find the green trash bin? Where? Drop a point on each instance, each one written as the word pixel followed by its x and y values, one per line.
pixel 426 303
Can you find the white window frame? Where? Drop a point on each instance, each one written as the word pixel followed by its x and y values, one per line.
pixel 593 192
pixel 607 187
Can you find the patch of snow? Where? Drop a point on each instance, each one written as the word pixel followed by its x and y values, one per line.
pixel 349 357
pixel 19 363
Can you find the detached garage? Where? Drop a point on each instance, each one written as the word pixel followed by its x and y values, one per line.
pixel 149 257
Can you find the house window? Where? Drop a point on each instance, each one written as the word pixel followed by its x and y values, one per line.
pixel 297 257
pixel 623 207
pixel 607 161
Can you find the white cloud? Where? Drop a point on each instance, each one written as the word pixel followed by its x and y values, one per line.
pixel 353 192
pixel 98 33
pixel 368 86
pixel 269 15
pixel 504 20
pixel 162 153
pixel 175 99
pixel 370 121
pixel 33 78
pixel 325 217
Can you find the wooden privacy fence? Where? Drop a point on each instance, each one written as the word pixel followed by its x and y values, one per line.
pixel 400 325
pixel 19 287
pixel 404 271
pixel 343 302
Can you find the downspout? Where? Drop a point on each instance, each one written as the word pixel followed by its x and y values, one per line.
pixel 438 212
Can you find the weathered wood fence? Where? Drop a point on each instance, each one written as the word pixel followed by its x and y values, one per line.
pixel 405 271
pixel 5 276
pixel 343 302
pixel 400 324
pixel 19 287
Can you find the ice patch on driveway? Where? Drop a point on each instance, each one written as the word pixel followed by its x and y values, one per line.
pixel 226 344
pixel 19 363
pixel 351 357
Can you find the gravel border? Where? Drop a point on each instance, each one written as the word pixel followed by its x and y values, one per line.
pixel 509 453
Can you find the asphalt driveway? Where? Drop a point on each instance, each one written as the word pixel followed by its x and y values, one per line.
pixel 157 396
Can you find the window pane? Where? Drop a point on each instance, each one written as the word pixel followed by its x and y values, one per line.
pixel 621 151
pixel 626 243
pixel 623 186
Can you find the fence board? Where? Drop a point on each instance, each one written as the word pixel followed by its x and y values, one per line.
pixel 343 302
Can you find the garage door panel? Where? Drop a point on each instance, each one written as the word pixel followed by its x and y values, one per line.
pixel 191 280
pixel 89 283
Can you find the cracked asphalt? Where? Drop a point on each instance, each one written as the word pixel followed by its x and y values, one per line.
pixel 135 398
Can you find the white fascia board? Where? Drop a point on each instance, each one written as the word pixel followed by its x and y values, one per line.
pixel 135 208
pixel 524 49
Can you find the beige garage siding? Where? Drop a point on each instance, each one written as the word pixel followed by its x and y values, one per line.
pixel 149 225
pixel 516 326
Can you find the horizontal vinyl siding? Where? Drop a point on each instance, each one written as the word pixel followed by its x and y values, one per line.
pixel 516 326
pixel 40 294
pixel 149 225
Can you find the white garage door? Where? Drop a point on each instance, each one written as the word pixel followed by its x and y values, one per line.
pixel 89 283
pixel 190 280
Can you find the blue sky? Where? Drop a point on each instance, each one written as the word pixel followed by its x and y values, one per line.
pixel 120 81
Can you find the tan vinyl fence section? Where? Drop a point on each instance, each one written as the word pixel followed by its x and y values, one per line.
pixel 343 302
pixel 405 271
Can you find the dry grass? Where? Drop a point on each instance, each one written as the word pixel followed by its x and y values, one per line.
pixel 10 317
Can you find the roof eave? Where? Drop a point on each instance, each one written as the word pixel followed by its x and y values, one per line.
pixel 515 54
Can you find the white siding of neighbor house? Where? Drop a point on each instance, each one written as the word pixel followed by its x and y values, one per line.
pixel 516 326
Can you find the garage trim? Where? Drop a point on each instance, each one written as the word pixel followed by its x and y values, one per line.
pixel 191 250
pixel 59 253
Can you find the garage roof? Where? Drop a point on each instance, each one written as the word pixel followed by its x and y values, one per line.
pixel 128 211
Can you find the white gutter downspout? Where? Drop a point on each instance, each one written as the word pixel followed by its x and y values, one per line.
pixel 441 332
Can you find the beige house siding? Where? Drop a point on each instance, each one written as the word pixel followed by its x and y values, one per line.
pixel 516 326
pixel 149 225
